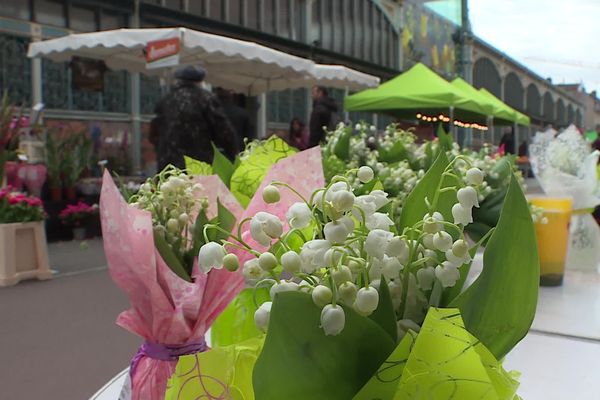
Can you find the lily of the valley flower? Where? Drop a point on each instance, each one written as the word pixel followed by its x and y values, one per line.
pixel 261 316
pixel 365 174
pixel 299 215
pixel 425 277
pixel 376 242
pixel 283 286
pixel 252 271
pixel 442 241
pixel 271 194
pixel 336 232
pixel 379 221
pixel 468 197
pixel 432 223
pixel 447 274
pixel 389 267
pixel 474 176
pixel 366 301
pixel 398 248
pixel 264 227
pixel 342 200
pixel 347 293
pixel 321 295
pixel 380 198
pixel 462 215
pixel 366 204
pixel 313 254
pixel 211 256
pixel 231 262
pixel 291 261
pixel 341 274
pixel 267 261
pixel 333 319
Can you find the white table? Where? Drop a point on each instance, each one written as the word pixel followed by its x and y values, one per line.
pixel 560 357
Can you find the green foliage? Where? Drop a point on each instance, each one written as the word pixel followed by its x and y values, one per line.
pixel 384 315
pixel 170 258
pixel 342 147
pixel 222 166
pixel 498 308
pixel 299 362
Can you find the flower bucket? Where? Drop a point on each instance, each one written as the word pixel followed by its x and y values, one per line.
pixel 23 253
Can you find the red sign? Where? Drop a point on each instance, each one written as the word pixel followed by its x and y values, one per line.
pixel 159 49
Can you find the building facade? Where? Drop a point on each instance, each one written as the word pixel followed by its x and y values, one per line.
pixel 591 105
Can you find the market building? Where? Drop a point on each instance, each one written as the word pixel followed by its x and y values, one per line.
pixel 380 37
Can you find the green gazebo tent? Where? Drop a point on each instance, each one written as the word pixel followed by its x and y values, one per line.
pixel 503 112
pixel 418 90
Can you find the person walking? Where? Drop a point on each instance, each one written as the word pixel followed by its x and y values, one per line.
pixel 298 135
pixel 323 116
pixel 187 120
pixel 237 116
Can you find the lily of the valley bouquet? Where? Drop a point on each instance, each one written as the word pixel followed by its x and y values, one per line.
pixel 565 166
pixel 359 308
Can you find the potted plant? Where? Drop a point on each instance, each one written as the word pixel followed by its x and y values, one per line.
pixel 23 248
pixel 10 124
pixel 54 165
pixel 75 161
pixel 78 216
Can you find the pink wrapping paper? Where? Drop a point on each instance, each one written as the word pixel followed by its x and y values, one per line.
pixel 164 308
pixel 303 171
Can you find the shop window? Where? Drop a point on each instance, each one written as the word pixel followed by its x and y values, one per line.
pixel 82 19
pixel 15 68
pixel 150 93
pixel 284 105
pixel 284 20
pixel 15 9
pixel 49 12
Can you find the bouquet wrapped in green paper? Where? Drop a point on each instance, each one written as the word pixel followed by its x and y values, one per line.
pixel 360 307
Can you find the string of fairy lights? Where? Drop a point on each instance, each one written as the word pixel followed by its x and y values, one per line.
pixel 446 119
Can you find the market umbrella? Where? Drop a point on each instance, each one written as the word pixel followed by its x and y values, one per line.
pixel 503 112
pixel 243 66
pixel 418 90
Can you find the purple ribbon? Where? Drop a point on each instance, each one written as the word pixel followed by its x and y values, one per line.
pixel 165 352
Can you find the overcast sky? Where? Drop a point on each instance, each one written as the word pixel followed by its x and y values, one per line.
pixel 555 38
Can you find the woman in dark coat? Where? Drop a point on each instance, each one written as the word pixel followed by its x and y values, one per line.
pixel 187 120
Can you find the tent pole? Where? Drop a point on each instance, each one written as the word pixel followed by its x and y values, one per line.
pixel 452 126
pixel 136 121
pixel 516 141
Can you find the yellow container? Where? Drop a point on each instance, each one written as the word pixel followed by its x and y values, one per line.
pixel 553 237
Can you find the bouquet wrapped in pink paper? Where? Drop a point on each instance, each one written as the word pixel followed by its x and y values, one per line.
pixel 152 258
pixel 152 246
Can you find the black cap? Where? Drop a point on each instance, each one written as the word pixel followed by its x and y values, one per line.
pixel 191 73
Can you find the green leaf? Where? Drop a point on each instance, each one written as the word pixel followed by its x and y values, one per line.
pixel 415 207
pixel 170 258
pixel 444 138
pixel 195 167
pixel 226 220
pixel 384 315
pixel 385 381
pixel 222 166
pixel 198 233
pixel 396 153
pixel 477 230
pixel 342 147
pixel 236 322
pixel 300 362
pixel 498 308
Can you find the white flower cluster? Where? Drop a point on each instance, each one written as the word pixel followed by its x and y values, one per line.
pixel 172 197
pixel 349 245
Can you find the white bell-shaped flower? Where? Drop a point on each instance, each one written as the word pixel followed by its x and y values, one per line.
pixel 366 204
pixel 267 261
pixel 425 277
pixel 376 242
pixel 341 274
pixel 283 286
pixel 367 299
pixel 428 241
pixel 299 215
pixel 365 174
pixel 431 258
pixel 291 261
pixel 264 227
pixel 333 319
pixel 347 293
pixel 271 194
pixel 395 289
pixel 447 274
pixel 342 200
pixel 442 241
pixel 379 221
pixel 397 247
pixel 321 295
pixel 462 215
pixel 336 232
pixel 459 254
pixel 211 256
pixel 313 254
pixel 468 197
pixel 432 223
pixel 380 198
pixel 261 316
pixel 389 267
pixel 333 256
pixel 474 176
pixel 349 222
pixel 252 271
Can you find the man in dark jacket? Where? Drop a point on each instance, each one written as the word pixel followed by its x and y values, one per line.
pixel 187 120
pixel 323 115
pixel 237 116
